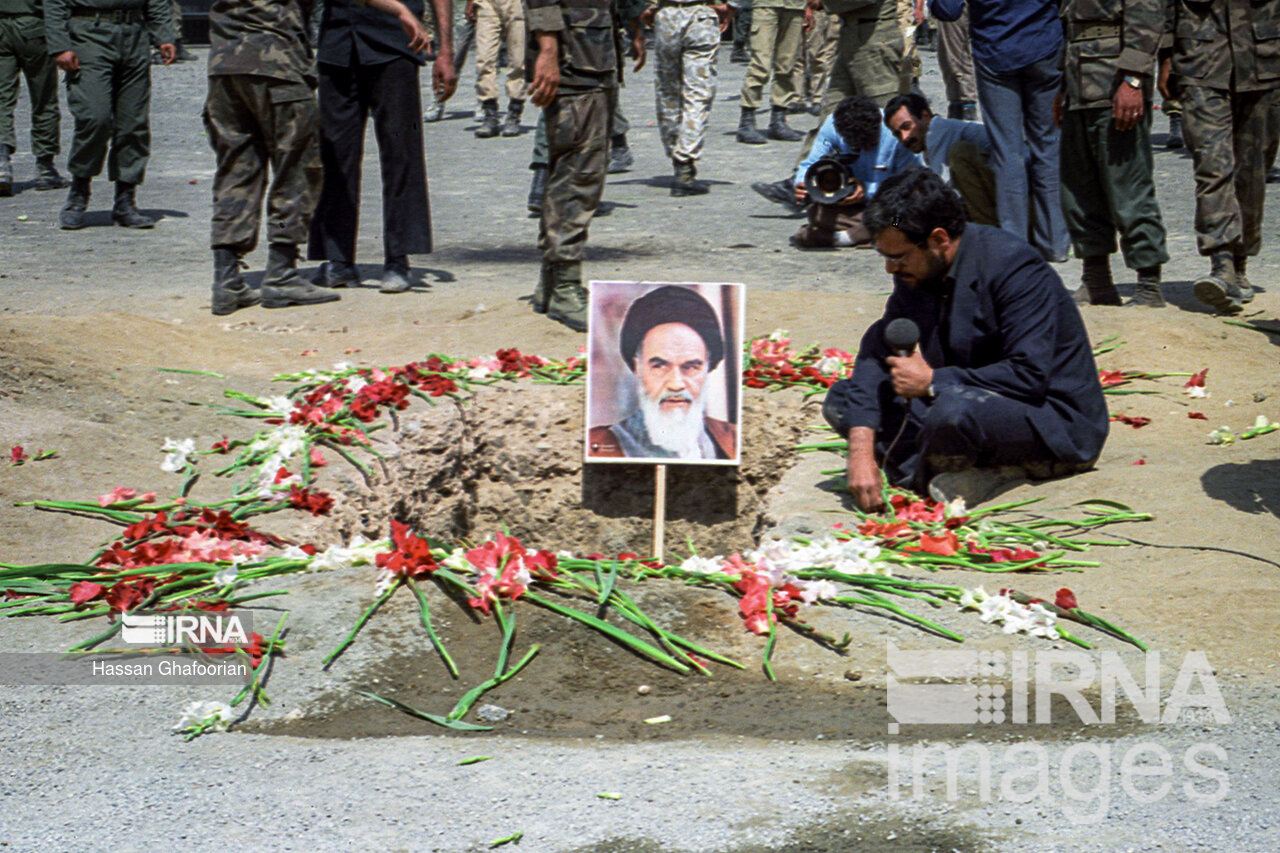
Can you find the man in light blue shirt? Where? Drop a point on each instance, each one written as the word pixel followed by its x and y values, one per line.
pixel 956 151
pixel 855 134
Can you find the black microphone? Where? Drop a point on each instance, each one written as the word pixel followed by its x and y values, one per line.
pixel 901 336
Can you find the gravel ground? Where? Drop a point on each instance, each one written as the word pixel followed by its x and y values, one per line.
pixel 90 767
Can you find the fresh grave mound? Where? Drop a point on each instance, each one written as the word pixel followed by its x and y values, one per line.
pixel 511 457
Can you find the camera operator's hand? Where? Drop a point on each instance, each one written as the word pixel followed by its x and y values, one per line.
pixel 911 375
pixel 858 196
pixel 862 474
pixel 802 195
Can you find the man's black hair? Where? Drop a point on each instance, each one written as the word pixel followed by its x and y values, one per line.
pixel 915 103
pixel 857 120
pixel 915 202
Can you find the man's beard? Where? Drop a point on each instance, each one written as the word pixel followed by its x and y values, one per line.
pixel 677 431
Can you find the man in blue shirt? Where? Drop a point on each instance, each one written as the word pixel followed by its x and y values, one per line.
pixel 855 134
pixel 1016 50
pixel 957 151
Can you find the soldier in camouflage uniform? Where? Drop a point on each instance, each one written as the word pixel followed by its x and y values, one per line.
pixel 104 46
pixel 686 36
pixel 261 113
pixel 1106 162
pixel 22 49
pixel 574 51
pixel 1226 56
pixel 869 57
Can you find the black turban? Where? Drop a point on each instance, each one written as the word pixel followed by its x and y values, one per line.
pixel 671 304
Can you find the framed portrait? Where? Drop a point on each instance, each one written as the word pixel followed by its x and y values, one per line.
pixel 664 373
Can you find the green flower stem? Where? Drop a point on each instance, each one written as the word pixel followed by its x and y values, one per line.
pixel 364 617
pixel 469 698
pixel 255 681
pixel 773 636
pixel 873 600
pixel 456 725
pixel 610 631
pixel 424 612
pixel 101 638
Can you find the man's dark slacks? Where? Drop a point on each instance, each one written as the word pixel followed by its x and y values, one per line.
pixel 389 93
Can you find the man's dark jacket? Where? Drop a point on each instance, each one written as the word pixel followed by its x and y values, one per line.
pixel 352 34
pixel 1002 322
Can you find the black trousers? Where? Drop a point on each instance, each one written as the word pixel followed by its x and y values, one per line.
pixel 390 94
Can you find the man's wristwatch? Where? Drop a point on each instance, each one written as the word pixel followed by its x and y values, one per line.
pixel 930 393
pixel 1133 80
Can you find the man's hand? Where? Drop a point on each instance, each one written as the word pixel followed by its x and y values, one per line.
pixel 168 52
pixel 807 20
pixel 636 51
pixel 444 79
pixel 470 11
pixel 67 60
pixel 546 70
pixel 911 375
pixel 725 13
pixel 1127 107
pixel 917 14
pixel 862 474
pixel 419 38
pixel 1163 77
pixel 802 195
pixel 858 196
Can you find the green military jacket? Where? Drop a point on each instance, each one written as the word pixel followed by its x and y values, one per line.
pixel 159 19
pixel 21 7
pixel 265 38
pixel 1226 44
pixel 1105 41
pixel 590 36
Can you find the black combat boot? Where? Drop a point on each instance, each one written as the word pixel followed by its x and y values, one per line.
pixel 1148 294
pixel 1219 289
pixel 779 129
pixel 47 176
pixel 955 109
pixel 969 111
pixel 542 293
pixel 230 292
pixel 567 302
pixel 1096 286
pixel 125 211
pixel 181 54
pixel 72 216
pixel 620 158
pixel 511 127
pixel 739 54
pixel 489 124
pixel 1174 139
pixel 6 171
pixel 684 184
pixel 537 189
pixel 1242 278
pixel 282 286
pixel 747 128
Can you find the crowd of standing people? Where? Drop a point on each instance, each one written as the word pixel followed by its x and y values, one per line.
pixel 1061 158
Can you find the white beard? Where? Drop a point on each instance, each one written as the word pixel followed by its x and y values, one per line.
pixel 678 431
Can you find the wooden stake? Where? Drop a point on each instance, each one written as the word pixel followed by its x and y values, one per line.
pixel 659 509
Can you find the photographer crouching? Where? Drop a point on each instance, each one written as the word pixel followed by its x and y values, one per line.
pixel 852 154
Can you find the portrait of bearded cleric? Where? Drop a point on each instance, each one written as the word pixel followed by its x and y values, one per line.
pixel 664 373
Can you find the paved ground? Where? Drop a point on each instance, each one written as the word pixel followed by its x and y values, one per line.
pixel 88 316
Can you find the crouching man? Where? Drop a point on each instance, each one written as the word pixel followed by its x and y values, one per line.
pixel 1002 382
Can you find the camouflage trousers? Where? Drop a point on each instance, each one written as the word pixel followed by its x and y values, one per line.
pixel 22 49
pixel 255 124
pixel 1108 188
pixel 1227 134
pixel 685 40
pixel 577 157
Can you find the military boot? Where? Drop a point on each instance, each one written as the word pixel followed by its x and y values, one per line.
pixel 47 175
pixel 537 189
pixel 779 129
pixel 1096 286
pixel 1147 294
pixel 1219 289
pixel 684 184
pixel 542 293
pixel 620 158
pixel 125 211
pixel 1174 139
pixel 72 216
pixel 181 54
pixel 969 111
pixel 739 54
pixel 489 125
pixel 230 292
pixel 747 131
pixel 282 286
pixel 6 171
pixel 1242 279
pixel 955 109
pixel 511 127
pixel 567 302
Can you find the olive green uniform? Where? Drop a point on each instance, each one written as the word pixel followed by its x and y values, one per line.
pixel 110 96
pixel 22 49
pixel 869 56
pixel 1107 182
pixel 1226 55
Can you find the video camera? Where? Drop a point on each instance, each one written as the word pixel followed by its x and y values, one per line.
pixel 830 180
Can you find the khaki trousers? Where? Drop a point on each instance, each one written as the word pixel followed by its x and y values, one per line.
pixel 499 22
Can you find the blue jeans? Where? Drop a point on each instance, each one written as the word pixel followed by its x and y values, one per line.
pixel 1017 108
